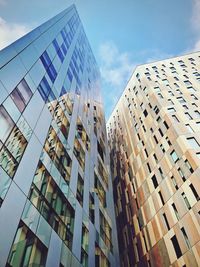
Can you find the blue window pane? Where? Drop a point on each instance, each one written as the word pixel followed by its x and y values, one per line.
pixel 63 91
pixel 51 96
pixel 60 54
pixel 63 34
pixel 46 61
pixel 55 44
pixel 69 74
pixel 64 49
pixel 66 43
pixel 44 89
pixel 52 73
pixel 75 64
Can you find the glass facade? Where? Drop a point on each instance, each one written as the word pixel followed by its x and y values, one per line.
pixel 56 202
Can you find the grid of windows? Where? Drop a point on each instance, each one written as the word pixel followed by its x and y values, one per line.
pixel 52 141
pixel 154 149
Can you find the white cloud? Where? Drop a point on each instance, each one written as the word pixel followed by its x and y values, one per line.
pixel 9 32
pixel 116 67
pixel 195 21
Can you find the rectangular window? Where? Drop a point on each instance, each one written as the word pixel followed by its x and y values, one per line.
pixel 185 237
pixel 6 124
pixel 155 182
pixel 194 192
pixel 80 190
pixel 189 128
pixel 27 249
pixel 174 156
pixel 161 198
pixel 186 200
pixel 188 116
pixel 193 143
pixel 21 95
pixel 44 89
pixel 175 211
pixel 176 246
pixel 46 61
pixel 174 182
pixel 166 221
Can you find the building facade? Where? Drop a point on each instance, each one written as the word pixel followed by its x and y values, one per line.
pixel 56 200
pixel 154 140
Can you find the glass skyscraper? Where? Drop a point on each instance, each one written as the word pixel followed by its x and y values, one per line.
pixel 56 202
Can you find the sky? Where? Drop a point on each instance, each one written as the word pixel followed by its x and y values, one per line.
pixel 122 33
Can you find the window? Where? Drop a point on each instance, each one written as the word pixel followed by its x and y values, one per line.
pixel 175 118
pixel 44 89
pixel 188 116
pixel 185 237
pixel 21 95
pixel 175 211
pixel 174 182
pixel 189 128
pixel 80 190
pixel 6 124
pixel 155 182
pixel 187 83
pixel 194 192
pixel 166 125
pixel 189 166
pixel 145 113
pixel 166 221
pixel 84 246
pixel 181 100
pixel 186 200
pixel 181 174
pixel 161 198
pixel 27 249
pixel 105 231
pixel 193 143
pixel 51 202
pixel 101 193
pixel 171 110
pixel 91 208
pixel 176 246
pixel 174 156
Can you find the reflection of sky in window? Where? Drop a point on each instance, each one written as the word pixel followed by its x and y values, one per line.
pixel 6 124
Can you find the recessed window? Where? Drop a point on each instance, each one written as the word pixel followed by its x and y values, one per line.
pixel 171 110
pixel 161 197
pixel 176 246
pixel 185 237
pixel 188 116
pixel 155 182
pixel 175 211
pixel 166 221
pixel 193 143
pixel 194 192
pixel 174 156
pixel 186 200
pixel 21 95
pixel 187 83
pixel 189 128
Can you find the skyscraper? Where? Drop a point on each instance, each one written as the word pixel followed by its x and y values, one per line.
pixel 154 144
pixel 56 202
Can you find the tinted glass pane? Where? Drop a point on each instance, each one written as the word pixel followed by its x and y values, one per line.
pixel 6 124
pixel 25 91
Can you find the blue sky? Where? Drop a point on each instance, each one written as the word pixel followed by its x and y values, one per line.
pixel 122 34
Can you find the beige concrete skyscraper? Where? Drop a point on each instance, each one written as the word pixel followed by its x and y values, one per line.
pixel 154 139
